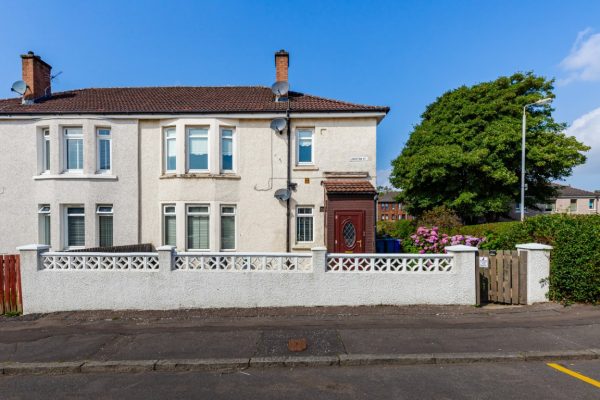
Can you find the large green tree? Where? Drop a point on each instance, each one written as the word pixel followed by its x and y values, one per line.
pixel 466 151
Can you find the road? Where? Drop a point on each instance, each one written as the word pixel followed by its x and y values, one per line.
pixel 524 380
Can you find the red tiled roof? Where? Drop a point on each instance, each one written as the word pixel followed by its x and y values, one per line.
pixel 568 191
pixel 348 186
pixel 178 100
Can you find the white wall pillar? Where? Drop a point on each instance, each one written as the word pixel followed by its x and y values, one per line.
pixel 166 259
pixel 538 271
pixel 319 260
pixel 30 261
pixel 465 266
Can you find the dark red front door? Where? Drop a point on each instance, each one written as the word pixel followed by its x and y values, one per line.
pixel 349 232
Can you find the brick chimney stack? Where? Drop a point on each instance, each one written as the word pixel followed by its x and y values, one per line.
pixel 282 62
pixel 36 74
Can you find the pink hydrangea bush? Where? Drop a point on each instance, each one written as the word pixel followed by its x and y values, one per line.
pixel 430 240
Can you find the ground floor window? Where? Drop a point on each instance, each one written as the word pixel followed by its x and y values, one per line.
pixel 304 224
pixel 198 227
pixel 105 225
pixel 169 225
pixel 228 227
pixel 44 225
pixel 75 226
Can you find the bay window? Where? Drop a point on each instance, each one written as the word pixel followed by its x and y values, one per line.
pixel 105 225
pixel 227 227
pixel 75 224
pixel 44 224
pixel 73 140
pixel 170 150
pixel 198 227
pixel 104 145
pixel 46 151
pixel 197 149
pixel 226 150
pixel 169 225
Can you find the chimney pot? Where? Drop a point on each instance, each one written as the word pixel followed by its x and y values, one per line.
pixel 37 76
pixel 282 63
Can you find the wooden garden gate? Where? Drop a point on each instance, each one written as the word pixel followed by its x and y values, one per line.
pixel 502 277
pixel 11 301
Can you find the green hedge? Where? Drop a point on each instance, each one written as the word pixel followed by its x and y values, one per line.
pixel 575 260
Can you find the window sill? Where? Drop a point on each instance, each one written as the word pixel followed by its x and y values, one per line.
pixel 73 176
pixel 304 247
pixel 306 168
pixel 200 176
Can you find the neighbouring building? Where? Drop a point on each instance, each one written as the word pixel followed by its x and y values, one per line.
pixel 199 168
pixel 569 200
pixel 389 208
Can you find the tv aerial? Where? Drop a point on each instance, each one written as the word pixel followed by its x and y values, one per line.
pixel 278 124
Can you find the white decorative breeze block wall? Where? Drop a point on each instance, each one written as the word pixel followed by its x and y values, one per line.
pixel 79 281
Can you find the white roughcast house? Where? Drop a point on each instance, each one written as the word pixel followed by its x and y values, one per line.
pixel 234 168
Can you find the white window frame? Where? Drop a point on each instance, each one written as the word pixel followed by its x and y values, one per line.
pixel 312 146
pixel 101 211
pixel 235 225
pixel 44 213
pixel 46 149
pixel 66 137
pixel 196 213
pixel 66 222
pixel 166 139
pixel 311 216
pixel 189 136
pixel 100 138
pixel 164 226
pixel 233 149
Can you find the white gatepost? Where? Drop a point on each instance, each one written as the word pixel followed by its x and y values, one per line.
pixel 31 262
pixel 538 271
pixel 465 265
pixel 166 259
pixel 319 260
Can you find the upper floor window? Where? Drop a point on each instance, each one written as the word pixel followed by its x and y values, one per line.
pixel 591 204
pixel 105 225
pixel 304 224
pixel 44 224
pixel 304 146
pixel 197 149
pixel 169 225
pixel 198 227
pixel 226 149
pixel 73 138
pixel 170 150
pixel 104 149
pixel 75 224
pixel 46 151
pixel 227 227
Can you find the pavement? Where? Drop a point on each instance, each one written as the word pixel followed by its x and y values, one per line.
pixel 137 341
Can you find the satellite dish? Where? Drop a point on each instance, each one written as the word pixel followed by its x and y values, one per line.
pixel 19 87
pixel 282 194
pixel 280 88
pixel 278 124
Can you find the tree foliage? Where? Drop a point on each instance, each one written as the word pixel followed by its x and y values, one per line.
pixel 465 153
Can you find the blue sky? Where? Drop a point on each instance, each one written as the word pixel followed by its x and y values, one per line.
pixel 397 53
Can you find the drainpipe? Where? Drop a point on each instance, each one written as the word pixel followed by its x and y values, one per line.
pixel 289 179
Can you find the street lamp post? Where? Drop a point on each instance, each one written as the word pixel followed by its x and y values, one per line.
pixel 537 103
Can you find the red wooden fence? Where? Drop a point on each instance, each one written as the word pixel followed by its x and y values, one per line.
pixel 11 300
